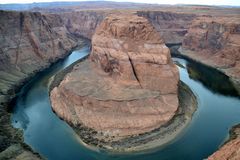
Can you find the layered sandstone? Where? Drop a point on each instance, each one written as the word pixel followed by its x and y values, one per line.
pixel 84 23
pixel 128 86
pixel 215 42
pixel 171 26
pixel 231 149
pixel 29 42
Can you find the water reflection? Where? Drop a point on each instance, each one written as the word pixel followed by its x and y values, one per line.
pixel 214 80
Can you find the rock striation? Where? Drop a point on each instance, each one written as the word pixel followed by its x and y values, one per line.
pixel 215 42
pixel 29 42
pixel 171 26
pixel 128 86
pixel 84 23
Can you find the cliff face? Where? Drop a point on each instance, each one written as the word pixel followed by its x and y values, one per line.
pixel 29 42
pixel 83 23
pixel 128 86
pixel 130 51
pixel 171 26
pixel 215 42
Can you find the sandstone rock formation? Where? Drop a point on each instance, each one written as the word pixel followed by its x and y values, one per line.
pixel 29 42
pixel 215 42
pixel 230 150
pixel 84 23
pixel 127 87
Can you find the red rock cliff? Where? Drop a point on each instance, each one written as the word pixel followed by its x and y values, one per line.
pixel 215 42
pixel 171 26
pixel 29 42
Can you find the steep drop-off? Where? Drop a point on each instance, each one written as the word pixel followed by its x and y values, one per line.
pixel 171 26
pixel 29 42
pixel 215 42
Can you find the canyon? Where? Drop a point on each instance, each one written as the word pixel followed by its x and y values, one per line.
pixel 32 41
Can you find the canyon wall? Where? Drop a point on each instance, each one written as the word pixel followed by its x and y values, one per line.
pixel 171 26
pixel 84 23
pixel 29 42
pixel 215 42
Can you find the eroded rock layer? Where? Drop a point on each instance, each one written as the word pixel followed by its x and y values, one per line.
pixel 215 42
pixel 29 42
pixel 128 86
pixel 170 25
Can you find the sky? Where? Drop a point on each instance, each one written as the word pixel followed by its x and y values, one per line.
pixel 202 2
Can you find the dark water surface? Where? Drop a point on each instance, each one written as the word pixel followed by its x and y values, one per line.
pixel 218 110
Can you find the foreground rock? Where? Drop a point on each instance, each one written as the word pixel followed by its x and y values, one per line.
pixel 215 42
pixel 127 88
pixel 231 149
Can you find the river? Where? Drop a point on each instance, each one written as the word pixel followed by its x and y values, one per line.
pixel 218 110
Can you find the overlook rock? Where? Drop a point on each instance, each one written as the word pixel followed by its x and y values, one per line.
pixel 127 86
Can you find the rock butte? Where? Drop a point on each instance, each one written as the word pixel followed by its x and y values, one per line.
pixel 128 85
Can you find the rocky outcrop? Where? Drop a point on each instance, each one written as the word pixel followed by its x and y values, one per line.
pixel 215 42
pixel 171 26
pixel 128 86
pixel 231 149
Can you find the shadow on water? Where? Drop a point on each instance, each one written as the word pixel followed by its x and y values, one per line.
pixel 214 80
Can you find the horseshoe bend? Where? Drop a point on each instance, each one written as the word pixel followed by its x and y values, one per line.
pixel 109 80
pixel 126 90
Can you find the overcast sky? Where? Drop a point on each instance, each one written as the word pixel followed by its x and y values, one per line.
pixel 206 2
